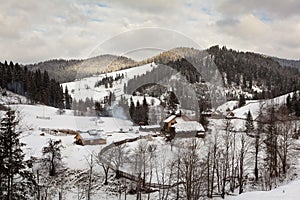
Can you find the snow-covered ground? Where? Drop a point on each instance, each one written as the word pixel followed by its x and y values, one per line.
pixel 12 98
pixel 36 119
pixel 40 116
pixel 83 88
pixel 290 191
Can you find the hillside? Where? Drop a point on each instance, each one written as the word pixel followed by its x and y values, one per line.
pixel 240 72
pixel 288 63
pixel 251 74
pixel 68 70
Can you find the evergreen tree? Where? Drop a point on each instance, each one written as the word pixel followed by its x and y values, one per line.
pixel 137 113
pixel 288 102
pixel 16 181
pixel 68 99
pixel 172 101
pixel 203 121
pixel 242 100
pixel 59 97
pixel 131 109
pixel 249 123
pixel 98 109
pixel 145 111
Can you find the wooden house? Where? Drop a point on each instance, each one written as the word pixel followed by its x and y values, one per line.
pixel 178 125
pixel 91 137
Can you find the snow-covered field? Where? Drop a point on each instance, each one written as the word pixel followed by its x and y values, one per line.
pixel 290 191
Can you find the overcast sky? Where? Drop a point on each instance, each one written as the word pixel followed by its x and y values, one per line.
pixel 34 30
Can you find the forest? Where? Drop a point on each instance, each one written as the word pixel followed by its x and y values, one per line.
pixel 35 85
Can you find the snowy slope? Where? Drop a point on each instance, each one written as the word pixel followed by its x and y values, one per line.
pixel 287 192
pixel 39 116
pixel 12 98
pixel 83 88
pixel 251 105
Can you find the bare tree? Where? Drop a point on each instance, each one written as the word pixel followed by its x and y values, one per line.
pixel 164 170
pixel 241 163
pixel 52 155
pixel 191 171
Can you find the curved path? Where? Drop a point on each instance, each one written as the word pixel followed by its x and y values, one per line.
pixel 128 175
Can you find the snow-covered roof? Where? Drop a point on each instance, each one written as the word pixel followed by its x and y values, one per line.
pixel 188 126
pixel 92 135
pixel 170 118
pixel 180 120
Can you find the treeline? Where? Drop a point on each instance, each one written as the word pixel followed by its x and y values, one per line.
pixel 108 80
pixel 35 85
pixel 91 107
pixel 139 112
pixel 293 103
pixel 244 70
pixel 59 69
pixel 250 69
pixel 69 70
pixel 156 82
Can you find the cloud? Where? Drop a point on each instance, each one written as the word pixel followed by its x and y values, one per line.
pixel 247 27
pixel 154 6
pixel 143 43
pixel 273 8
pixel 32 30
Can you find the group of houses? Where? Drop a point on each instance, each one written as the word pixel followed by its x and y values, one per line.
pixel 173 126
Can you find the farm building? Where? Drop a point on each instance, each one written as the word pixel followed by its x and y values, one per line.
pixel 178 125
pixel 91 137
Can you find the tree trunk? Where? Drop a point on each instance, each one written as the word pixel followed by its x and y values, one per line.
pixel 256 158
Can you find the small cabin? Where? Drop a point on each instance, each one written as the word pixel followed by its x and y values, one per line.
pixel 188 129
pixel 91 137
pixel 178 125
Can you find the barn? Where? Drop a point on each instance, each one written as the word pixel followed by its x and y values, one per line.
pixel 91 137
pixel 179 125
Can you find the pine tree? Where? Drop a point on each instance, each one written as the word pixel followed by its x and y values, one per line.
pixel 68 99
pixel 172 101
pixel 131 109
pixel 288 102
pixel 137 113
pixel 249 123
pixel 242 100
pixel 203 121
pixel 145 111
pixel 16 181
pixel 98 108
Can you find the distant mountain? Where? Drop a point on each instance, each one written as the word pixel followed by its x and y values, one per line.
pixel 288 63
pixel 259 75
pixel 68 70
pixel 252 75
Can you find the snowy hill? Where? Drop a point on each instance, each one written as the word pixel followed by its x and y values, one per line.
pixel 68 70
pixel 85 88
